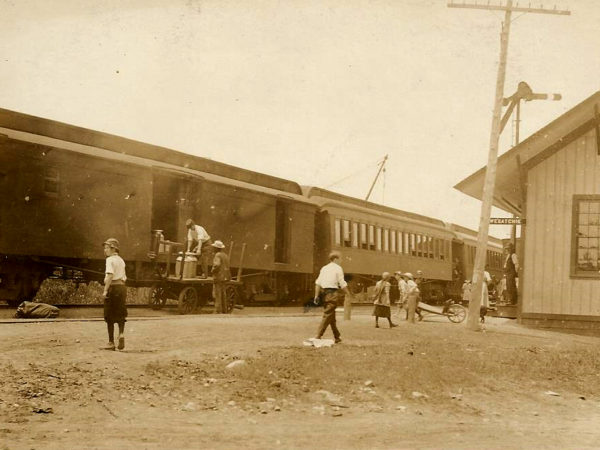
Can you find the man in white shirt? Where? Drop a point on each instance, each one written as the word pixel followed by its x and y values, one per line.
pixel 328 284
pixel 198 241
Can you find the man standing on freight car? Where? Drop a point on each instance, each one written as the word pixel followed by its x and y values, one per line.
pixel 221 275
pixel 330 282
pixel 198 241
pixel 115 293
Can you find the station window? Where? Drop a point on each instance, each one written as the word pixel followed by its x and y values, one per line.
pixel 346 235
pixel 386 240
pixel 411 243
pixel 585 245
pixel 393 247
pixel 378 234
pixel 337 232
pixel 354 234
pixel 419 245
pixel 442 250
pixel 430 246
pixel 364 243
pixel 51 182
pixel 371 237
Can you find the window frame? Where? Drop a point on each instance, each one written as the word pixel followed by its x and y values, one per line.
pixel 337 232
pixel 574 272
pixel 346 233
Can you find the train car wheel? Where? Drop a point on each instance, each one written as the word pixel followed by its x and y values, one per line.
pixel 456 313
pixel 188 297
pixel 158 296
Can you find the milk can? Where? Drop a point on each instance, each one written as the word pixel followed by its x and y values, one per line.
pixel 189 265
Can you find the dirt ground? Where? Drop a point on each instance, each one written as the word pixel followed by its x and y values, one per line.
pixel 429 385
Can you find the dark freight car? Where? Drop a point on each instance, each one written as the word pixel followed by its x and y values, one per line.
pixel 65 189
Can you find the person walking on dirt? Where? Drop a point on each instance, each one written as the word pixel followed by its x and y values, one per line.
pixel 412 296
pixel 330 281
pixel 221 275
pixel 198 241
pixel 115 294
pixel 381 300
pixel 402 288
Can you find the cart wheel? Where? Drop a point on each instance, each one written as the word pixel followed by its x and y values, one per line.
pixel 456 313
pixel 188 298
pixel 232 296
pixel 158 296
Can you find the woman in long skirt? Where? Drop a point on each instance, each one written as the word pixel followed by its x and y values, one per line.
pixel 382 300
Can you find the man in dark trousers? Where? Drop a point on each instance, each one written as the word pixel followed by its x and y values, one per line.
pixel 221 275
pixel 330 282
pixel 511 270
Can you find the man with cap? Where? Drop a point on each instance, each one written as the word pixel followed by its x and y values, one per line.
pixel 330 281
pixel 198 241
pixel 115 293
pixel 221 275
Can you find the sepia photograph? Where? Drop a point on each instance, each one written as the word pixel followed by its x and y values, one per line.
pixel 267 224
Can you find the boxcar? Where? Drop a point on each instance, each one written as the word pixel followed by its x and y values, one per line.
pixel 64 189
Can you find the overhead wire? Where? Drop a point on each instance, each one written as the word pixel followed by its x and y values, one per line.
pixel 363 169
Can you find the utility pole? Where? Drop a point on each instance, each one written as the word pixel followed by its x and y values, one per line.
pixel 490 173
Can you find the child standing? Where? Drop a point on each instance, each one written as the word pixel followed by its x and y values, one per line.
pixel 115 294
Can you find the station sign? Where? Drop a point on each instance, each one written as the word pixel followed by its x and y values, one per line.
pixel 507 221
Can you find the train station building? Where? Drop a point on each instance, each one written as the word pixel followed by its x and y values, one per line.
pixel 552 180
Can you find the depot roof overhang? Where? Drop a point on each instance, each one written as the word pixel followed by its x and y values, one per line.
pixel 512 167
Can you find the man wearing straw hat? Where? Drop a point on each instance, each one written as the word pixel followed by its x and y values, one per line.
pixel 221 275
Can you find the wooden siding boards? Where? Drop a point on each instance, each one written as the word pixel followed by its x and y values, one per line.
pixel 552 184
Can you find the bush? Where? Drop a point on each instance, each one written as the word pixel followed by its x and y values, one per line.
pixel 68 292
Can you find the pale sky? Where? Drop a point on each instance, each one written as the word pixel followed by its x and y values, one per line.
pixel 309 90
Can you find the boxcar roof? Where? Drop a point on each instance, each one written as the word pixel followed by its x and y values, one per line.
pixel 50 128
pixel 541 144
pixel 150 163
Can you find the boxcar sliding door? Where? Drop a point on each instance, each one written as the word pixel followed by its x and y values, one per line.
pixel 175 197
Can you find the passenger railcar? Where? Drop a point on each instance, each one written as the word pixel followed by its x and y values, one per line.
pixel 375 238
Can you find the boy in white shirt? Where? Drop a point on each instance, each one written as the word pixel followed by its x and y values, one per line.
pixel 115 294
